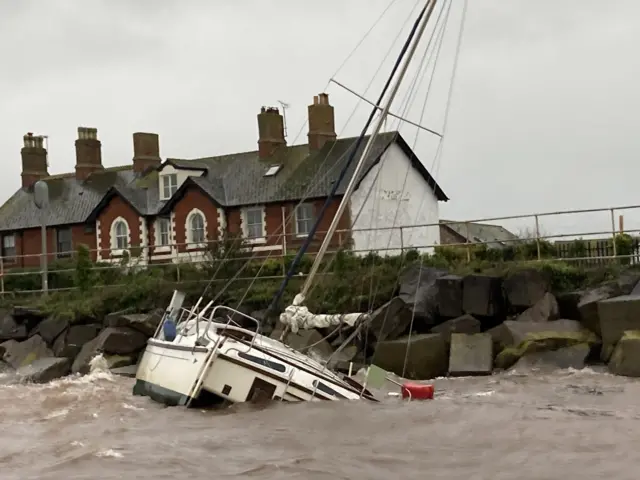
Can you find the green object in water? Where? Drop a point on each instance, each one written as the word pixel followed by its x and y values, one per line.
pixel 376 377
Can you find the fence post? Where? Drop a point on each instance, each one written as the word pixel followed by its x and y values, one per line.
pixel 2 274
pixel 401 240
pixel 613 232
pixel 468 244
pixel 538 237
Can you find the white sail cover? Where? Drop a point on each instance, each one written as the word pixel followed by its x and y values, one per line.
pixel 297 316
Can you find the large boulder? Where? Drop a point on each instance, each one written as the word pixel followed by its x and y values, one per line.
pixel 10 329
pixel 390 320
pixel 617 315
pixel 50 328
pixel 28 316
pixel 146 323
pixel 524 288
pixel 471 354
pixel 582 305
pixel 449 296
pixel 482 295
pixel 418 291
pixel 625 359
pixel 545 309
pixel 69 343
pixel 462 324
pixel 574 356
pixel 543 342
pixel 44 370
pixel 117 361
pixel 511 333
pixel 111 340
pixel 121 340
pixel 19 354
pixel 426 356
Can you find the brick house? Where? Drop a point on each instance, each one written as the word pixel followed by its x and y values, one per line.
pixel 170 210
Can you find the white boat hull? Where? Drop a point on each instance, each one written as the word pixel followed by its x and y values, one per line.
pixel 218 363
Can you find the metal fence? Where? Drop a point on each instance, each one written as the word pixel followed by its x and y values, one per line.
pixel 594 241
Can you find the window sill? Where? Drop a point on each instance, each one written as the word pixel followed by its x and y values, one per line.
pixel 162 249
pixel 196 246
pixel 302 235
pixel 119 252
pixel 256 241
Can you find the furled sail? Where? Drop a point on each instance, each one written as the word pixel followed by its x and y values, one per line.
pixel 296 316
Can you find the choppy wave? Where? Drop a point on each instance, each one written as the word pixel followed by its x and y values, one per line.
pixel 571 423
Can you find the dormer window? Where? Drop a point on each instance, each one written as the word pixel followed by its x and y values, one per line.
pixel 169 185
pixel 273 169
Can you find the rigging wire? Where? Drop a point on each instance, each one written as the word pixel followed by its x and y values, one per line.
pixel 359 44
pixel 347 165
pixel 438 153
pixel 376 182
pixel 438 35
pixel 310 186
pixel 437 47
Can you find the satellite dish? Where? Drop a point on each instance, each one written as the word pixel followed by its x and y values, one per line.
pixel 41 194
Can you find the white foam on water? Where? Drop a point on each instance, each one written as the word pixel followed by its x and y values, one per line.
pixel 111 453
pixel 126 406
pixel 57 413
pixel 76 443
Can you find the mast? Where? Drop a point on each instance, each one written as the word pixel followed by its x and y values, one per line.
pixel 354 178
pixel 343 172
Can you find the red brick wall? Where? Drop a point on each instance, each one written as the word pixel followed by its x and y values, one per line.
pixel 274 220
pixel 194 198
pixel 114 209
pixel 28 242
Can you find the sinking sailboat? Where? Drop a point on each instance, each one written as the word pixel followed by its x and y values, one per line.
pixel 200 355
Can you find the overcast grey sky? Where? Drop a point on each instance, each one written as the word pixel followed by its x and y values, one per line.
pixel 543 117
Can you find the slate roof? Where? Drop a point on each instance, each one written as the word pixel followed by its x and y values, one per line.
pixel 229 180
pixel 495 236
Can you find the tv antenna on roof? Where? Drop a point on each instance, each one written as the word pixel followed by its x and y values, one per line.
pixel 284 115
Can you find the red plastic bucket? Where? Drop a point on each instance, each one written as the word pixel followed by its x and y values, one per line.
pixel 417 391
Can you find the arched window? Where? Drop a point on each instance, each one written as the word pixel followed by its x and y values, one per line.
pixel 196 228
pixel 120 234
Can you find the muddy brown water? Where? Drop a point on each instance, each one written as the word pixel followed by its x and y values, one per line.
pixel 568 424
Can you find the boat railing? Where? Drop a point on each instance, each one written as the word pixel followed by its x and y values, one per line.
pixel 229 320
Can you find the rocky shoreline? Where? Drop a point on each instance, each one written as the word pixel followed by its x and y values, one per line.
pixel 460 325
pixel 40 348
pixel 479 324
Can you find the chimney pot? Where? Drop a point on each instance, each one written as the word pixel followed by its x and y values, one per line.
pixel 146 151
pixel 270 131
pixel 88 153
pixel 34 160
pixel 321 122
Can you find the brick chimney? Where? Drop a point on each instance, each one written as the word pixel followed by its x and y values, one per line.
pixel 322 125
pixel 146 151
pixel 34 160
pixel 88 153
pixel 270 131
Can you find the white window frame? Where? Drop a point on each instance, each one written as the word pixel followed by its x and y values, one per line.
pixel 9 242
pixel 308 216
pixel 160 245
pixel 169 185
pixel 259 228
pixel 195 243
pixel 116 247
